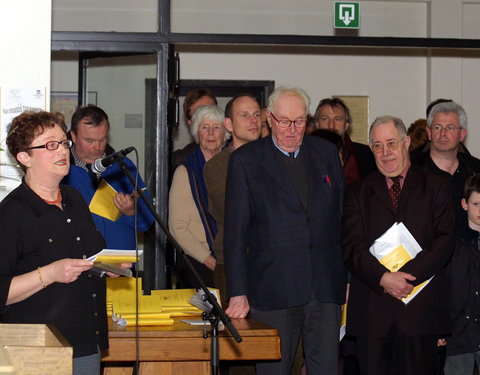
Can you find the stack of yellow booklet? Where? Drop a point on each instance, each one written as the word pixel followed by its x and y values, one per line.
pixel 157 309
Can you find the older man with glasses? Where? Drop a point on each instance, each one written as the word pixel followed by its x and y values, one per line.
pixel 282 236
pixel 393 337
pixel 445 154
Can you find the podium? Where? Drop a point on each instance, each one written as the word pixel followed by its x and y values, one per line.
pixel 35 349
pixel 181 348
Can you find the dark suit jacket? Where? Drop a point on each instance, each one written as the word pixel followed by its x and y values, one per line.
pixel 277 252
pixel 365 159
pixel 426 209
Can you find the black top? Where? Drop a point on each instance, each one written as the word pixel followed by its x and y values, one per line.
pixel 467 167
pixel 298 172
pixel 36 234
pixel 464 278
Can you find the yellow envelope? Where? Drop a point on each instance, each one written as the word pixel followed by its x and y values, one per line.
pixel 102 202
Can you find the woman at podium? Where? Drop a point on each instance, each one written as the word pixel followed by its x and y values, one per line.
pixel 47 231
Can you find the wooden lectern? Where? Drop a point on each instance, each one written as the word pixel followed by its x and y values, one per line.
pixel 181 348
pixel 36 349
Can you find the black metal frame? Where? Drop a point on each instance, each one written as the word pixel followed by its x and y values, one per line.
pixel 148 42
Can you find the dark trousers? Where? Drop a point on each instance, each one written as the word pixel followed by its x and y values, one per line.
pixel 397 354
pixel 319 325
pixel 185 277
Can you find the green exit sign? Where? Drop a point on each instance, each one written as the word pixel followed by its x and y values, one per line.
pixel 347 15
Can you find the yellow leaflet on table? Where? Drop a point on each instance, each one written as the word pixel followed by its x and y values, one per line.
pixel 149 322
pixel 395 260
pixel 102 202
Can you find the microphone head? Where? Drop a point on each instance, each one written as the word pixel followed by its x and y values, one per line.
pixel 127 150
pixel 97 166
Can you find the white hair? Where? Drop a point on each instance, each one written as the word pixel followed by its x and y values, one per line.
pixel 294 91
pixel 207 112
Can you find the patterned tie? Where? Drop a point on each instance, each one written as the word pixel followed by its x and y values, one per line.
pixel 394 192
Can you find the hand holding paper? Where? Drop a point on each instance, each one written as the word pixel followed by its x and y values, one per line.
pixel 396 284
pixel 394 249
pixel 125 203
pixel 102 202
pixel 115 261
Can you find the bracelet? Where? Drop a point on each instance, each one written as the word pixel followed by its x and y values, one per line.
pixel 40 278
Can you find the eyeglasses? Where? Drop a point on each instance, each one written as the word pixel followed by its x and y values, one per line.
pixel 448 129
pixel 392 145
pixel 285 123
pixel 53 145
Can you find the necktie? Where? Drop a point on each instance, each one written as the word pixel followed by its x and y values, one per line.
pixel 292 155
pixel 394 192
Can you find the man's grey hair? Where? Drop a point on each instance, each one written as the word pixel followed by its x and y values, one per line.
pixel 206 112
pixel 397 122
pixel 449 107
pixel 294 91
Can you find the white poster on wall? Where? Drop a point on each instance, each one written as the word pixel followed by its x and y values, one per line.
pixel 14 101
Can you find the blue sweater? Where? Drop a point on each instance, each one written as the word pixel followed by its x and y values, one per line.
pixel 121 233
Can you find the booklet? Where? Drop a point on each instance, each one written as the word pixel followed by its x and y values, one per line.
pixel 394 249
pixel 116 256
pixel 102 202
pixel 108 260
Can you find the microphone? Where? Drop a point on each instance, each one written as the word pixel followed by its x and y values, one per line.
pixel 100 165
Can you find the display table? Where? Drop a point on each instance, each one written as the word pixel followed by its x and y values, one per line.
pixel 181 348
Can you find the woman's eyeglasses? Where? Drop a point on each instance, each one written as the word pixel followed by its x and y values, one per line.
pixel 53 145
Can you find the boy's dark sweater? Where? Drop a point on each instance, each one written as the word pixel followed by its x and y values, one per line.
pixel 464 277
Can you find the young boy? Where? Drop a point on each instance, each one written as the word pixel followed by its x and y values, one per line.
pixel 463 347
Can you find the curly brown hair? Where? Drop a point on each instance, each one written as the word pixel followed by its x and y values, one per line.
pixel 26 126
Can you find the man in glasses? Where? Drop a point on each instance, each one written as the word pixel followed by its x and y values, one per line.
pixel 89 133
pixel 283 259
pixel 445 154
pixel 394 337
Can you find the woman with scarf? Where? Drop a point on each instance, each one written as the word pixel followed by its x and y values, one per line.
pixel 189 220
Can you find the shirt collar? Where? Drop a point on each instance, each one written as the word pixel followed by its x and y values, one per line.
pixel 295 154
pixel 403 174
pixel 78 162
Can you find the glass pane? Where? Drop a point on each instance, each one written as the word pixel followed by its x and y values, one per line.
pixel 119 84
pixel 106 15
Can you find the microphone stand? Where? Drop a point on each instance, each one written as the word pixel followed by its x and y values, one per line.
pixel 216 314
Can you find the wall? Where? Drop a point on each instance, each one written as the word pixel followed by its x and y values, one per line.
pixel 26 40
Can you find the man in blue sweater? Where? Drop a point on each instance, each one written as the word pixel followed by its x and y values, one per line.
pixel 89 132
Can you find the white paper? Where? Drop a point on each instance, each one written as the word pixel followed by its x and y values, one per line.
pixel 398 235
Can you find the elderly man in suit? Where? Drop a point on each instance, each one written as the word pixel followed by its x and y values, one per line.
pixel 393 337
pixel 282 236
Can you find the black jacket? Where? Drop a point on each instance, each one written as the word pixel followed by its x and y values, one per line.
pixel 468 166
pixel 464 278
